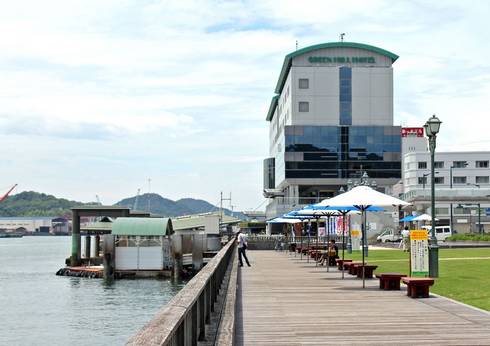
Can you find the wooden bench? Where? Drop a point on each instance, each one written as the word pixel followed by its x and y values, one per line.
pixel 389 281
pixel 368 271
pixel 352 267
pixel 417 287
pixel 340 263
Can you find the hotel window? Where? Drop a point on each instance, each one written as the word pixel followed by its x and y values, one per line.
pixel 345 95
pixel 439 164
pixel 422 165
pixel 460 164
pixel 459 180
pixel 304 83
pixel 482 180
pixel 439 180
pixel 422 180
pixel 304 106
pixel 481 164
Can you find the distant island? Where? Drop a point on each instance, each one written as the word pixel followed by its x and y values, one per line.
pixel 32 203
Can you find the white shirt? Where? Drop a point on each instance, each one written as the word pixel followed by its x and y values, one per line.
pixel 242 239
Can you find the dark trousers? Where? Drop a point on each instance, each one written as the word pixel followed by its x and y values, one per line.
pixel 241 252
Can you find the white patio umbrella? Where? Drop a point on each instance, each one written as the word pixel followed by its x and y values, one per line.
pixel 363 197
pixel 423 217
pixel 284 220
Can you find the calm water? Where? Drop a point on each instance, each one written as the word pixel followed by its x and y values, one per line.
pixel 39 308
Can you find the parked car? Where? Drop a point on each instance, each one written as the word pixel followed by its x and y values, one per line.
pixel 442 232
pixel 389 235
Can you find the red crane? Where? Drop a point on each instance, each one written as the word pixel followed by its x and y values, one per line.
pixel 4 197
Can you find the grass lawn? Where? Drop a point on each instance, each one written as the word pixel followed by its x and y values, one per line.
pixel 460 277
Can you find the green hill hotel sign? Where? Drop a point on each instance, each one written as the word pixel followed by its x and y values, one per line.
pixel 342 60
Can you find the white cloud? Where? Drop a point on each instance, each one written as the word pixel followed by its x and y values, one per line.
pixel 178 90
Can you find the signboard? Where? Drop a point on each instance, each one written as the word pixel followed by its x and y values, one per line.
pixel 342 59
pixel 419 253
pixel 356 240
pixel 412 132
pixel 321 232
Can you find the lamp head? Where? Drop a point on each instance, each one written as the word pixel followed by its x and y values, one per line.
pixel 432 126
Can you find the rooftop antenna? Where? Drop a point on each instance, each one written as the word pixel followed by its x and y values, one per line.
pixel 342 37
pixel 296 44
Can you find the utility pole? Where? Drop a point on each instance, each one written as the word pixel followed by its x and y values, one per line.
pixel 221 204
pixel 149 196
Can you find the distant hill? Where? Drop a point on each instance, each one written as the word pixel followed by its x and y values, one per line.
pixel 166 207
pixel 32 203
pixel 39 204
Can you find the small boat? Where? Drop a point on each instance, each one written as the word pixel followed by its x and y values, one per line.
pixel 11 235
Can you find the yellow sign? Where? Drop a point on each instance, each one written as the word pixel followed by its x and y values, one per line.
pixel 355 233
pixel 419 235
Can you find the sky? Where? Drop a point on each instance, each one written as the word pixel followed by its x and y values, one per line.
pixel 99 96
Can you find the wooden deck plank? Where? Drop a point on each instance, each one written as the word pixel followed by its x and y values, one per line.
pixel 283 300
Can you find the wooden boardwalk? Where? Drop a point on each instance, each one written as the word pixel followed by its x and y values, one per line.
pixel 283 300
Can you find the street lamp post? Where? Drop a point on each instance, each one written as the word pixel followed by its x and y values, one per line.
pixel 478 205
pixel 349 237
pixel 424 178
pixel 431 129
pixel 363 181
pixel 451 187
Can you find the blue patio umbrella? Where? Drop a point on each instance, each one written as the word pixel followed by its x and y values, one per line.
pixel 408 218
pixel 317 212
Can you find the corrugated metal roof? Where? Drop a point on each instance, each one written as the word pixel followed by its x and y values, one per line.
pixel 196 221
pixel 142 226
pixel 96 226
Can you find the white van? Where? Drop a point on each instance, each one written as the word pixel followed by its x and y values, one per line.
pixel 442 232
pixel 389 235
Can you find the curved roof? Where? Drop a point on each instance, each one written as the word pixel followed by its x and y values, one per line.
pixel 289 58
pixel 142 226
pixel 272 107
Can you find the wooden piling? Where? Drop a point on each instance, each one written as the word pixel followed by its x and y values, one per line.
pixel 109 257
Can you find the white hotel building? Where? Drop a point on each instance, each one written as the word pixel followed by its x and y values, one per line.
pixel 331 118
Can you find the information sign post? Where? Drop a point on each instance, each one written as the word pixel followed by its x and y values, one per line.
pixel 356 240
pixel 419 253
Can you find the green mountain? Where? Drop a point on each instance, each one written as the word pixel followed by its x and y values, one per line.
pixel 166 207
pixel 39 204
pixel 32 203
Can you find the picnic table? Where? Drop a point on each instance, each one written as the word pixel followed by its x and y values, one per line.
pixel 389 281
pixel 417 287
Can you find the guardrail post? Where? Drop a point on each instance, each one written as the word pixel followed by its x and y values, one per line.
pixel 194 324
pixel 208 302
pixel 202 316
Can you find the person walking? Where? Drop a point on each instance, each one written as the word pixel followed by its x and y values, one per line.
pixel 242 247
pixel 406 239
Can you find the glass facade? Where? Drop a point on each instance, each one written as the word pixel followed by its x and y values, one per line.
pixel 345 98
pixel 269 173
pixel 342 151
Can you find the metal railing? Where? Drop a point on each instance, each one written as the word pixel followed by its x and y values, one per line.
pixel 183 320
